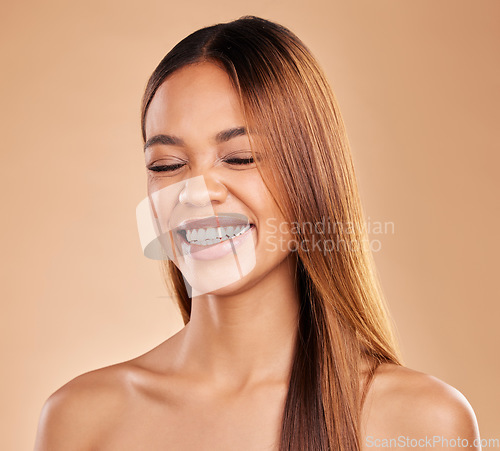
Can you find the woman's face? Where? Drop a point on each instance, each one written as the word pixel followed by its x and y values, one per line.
pixel 200 167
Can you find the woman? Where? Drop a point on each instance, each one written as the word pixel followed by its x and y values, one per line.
pixel 257 219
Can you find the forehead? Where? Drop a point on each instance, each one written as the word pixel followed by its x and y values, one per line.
pixel 199 98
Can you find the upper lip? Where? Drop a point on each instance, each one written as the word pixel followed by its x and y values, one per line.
pixel 220 220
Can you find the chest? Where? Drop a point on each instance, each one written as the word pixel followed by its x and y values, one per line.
pixel 247 423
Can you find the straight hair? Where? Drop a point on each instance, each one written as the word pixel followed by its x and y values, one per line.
pixel 343 321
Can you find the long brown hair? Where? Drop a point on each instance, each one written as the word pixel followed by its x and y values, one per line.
pixel 343 321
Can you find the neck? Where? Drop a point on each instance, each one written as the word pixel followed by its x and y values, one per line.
pixel 246 337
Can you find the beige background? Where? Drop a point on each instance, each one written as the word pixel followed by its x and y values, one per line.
pixel 418 85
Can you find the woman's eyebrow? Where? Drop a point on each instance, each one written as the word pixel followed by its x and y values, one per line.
pixel 226 135
pixel 171 140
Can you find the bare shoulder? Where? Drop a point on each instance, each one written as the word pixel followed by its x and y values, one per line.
pixel 90 406
pixel 406 403
pixel 82 410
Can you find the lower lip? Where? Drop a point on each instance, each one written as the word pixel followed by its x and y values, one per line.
pixel 214 251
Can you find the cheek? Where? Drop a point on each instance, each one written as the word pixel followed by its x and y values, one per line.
pixel 270 211
pixel 154 183
pixel 274 232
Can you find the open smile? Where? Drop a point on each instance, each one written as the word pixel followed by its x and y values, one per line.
pixel 214 236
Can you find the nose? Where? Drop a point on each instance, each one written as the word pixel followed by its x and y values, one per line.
pixel 202 190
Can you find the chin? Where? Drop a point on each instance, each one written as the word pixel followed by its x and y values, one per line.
pixel 221 275
pixel 221 289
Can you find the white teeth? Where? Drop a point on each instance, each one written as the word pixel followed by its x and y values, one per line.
pixel 212 235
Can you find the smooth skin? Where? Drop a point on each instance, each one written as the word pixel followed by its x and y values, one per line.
pixel 220 382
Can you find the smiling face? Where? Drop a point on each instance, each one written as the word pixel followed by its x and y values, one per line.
pixel 200 167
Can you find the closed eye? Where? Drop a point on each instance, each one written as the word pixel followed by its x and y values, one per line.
pixel 234 161
pixel 166 167
pixel 240 160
